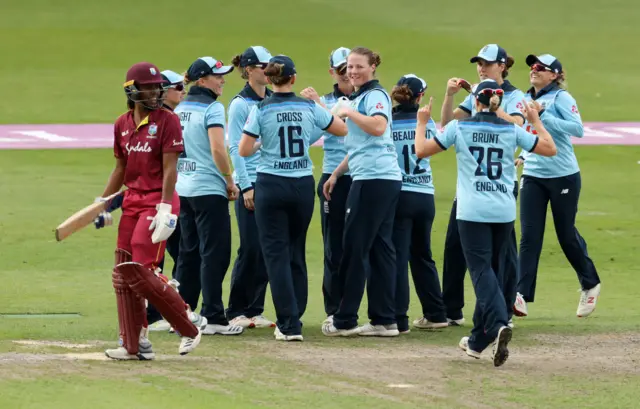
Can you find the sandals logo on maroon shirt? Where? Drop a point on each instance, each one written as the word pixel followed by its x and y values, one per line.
pixel 138 148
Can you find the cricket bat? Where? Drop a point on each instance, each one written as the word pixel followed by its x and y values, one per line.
pixel 83 217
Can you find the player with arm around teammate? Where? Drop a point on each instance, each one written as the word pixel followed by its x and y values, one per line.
pixel 492 62
pixel 249 277
pixel 415 212
pixel 284 198
pixel 368 256
pixel 332 212
pixel 486 210
pixel 556 181
pixel 205 187
pixel 147 142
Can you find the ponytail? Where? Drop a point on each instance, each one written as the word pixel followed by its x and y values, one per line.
pixel 494 103
pixel 187 80
pixel 242 70
pixel 508 65
pixel 274 72
pixel 402 95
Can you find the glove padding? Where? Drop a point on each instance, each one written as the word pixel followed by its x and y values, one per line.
pixel 104 219
pixel 163 223
pixel 341 103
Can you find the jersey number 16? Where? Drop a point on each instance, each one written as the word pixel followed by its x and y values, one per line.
pixel 288 139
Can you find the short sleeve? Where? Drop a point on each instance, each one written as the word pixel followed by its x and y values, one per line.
pixel 448 136
pixel 377 103
pixel 214 116
pixel 172 135
pixel 117 150
pixel 514 105
pixel 467 104
pixel 323 118
pixel 525 140
pixel 432 131
pixel 252 126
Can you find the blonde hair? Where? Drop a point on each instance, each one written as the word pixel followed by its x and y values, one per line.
pixel 562 81
pixel 274 72
pixel 244 74
pixel 372 57
pixel 494 103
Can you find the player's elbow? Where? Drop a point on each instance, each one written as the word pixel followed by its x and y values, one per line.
pixel 338 128
pixel 579 131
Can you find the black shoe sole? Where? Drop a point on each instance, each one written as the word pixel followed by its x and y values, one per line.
pixel 502 352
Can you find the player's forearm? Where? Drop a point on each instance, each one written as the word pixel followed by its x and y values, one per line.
pixel 240 167
pixel 342 168
pixel 169 176
pixel 421 139
pixel 446 113
pixel 372 125
pixel 221 159
pixel 115 182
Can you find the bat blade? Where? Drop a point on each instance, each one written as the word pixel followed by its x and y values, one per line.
pixel 82 218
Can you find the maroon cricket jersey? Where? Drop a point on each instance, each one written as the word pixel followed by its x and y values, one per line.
pixel 142 147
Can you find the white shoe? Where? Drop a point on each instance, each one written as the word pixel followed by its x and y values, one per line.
pixel 500 351
pixel 161 325
pixel 212 329
pixel 520 306
pixel 330 330
pixel 510 324
pixel 197 320
pixel 189 344
pixel 455 323
pixel 242 321
pixel 328 320
pixel 259 321
pixel 464 345
pixel 369 330
pixel 282 337
pixel 588 299
pixel 424 323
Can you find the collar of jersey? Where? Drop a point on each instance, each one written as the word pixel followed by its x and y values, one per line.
pixel 165 106
pixel 507 86
pixel 284 94
pixel 251 94
pixel 337 93
pixel 366 87
pixel 196 90
pixel 406 108
pixel 551 87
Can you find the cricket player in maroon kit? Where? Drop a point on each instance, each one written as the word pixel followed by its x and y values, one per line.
pixel 147 142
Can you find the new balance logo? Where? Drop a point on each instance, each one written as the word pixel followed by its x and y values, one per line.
pixel 564 191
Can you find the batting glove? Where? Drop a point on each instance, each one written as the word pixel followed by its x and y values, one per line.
pixel 163 223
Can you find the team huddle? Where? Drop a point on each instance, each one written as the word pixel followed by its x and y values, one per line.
pixel 376 198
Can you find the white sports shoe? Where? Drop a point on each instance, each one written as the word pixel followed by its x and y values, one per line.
pixel 161 325
pixel 455 323
pixel 328 320
pixel 145 351
pixel 424 323
pixel 282 337
pixel 369 330
pixel 510 324
pixel 588 299
pixel 242 321
pixel 197 320
pixel 464 345
pixel 212 329
pixel 330 330
pixel 259 321
pixel 189 344
pixel 520 306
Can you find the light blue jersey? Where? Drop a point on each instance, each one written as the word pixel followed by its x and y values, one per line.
pixel 372 157
pixel 286 124
pixel 334 150
pixel 562 120
pixel 198 174
pixel 416 173
pixel 484 152
pixel 244 172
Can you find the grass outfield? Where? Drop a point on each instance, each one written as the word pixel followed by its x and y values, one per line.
pixel 557 359
pixel 65 63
